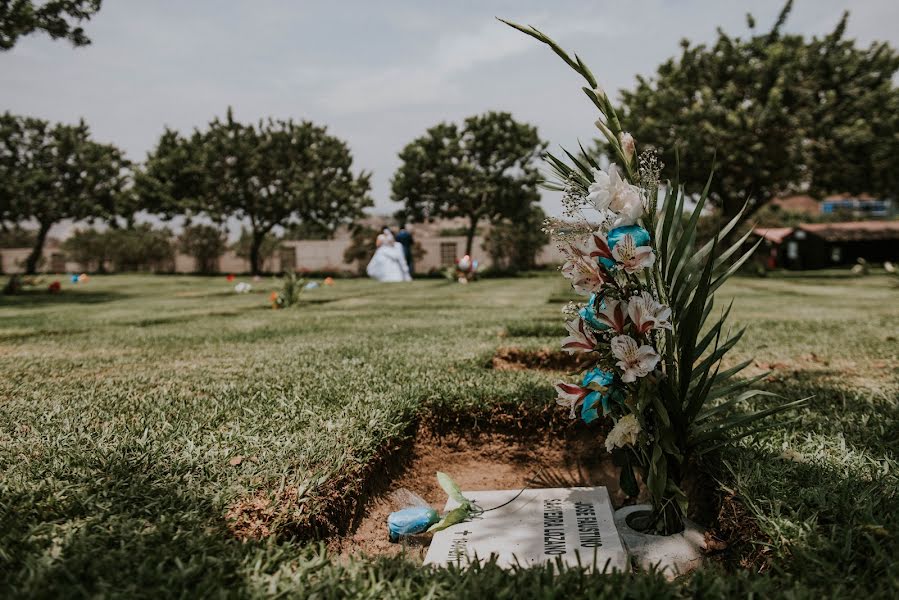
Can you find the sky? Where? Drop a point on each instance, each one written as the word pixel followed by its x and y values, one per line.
pixel 377 73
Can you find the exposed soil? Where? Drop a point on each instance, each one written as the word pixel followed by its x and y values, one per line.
pixel 516 359
pixel 485 462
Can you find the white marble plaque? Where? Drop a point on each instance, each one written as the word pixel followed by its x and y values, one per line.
pixel 575 525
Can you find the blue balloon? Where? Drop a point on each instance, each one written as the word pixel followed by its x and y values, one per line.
pixel 74 279
pixel 410 521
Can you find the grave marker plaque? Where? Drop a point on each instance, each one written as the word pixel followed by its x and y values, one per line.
pixel 575 525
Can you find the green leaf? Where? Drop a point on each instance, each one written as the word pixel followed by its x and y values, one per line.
pixel 457 515
pixel 451 488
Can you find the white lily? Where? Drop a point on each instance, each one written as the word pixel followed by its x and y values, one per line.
pixel 614 314
pixel 624 433
pixel 583 272
pixel 648 314
pixel 610 192
pixel 581 338
pixel 636 361
pixel 571 396
pixel 632 257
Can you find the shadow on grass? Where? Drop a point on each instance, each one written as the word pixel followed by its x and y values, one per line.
pixel 122 527
pixel 37 298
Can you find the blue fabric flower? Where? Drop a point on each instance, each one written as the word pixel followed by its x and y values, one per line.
pixel 640 235
pixel 589 410
pixel 588 313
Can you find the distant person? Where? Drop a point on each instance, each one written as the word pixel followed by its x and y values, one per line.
pixel 405 239
pixel 389 262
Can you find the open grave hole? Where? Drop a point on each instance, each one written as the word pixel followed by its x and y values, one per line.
pixel 487 461
pixel 517 359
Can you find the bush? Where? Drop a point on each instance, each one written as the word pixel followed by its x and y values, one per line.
pixel 206 243
pixel 139 248
pixel 361 248
pixel 513 245
pixel 91 248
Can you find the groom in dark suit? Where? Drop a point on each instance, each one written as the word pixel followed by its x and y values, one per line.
pixel 404 237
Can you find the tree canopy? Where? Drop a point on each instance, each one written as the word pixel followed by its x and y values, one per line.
pixel 774 113
pixel 59 19
pixel 485 169
pixel 272 174
pixel 54 172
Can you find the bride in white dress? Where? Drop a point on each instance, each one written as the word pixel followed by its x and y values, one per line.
pixel 389 262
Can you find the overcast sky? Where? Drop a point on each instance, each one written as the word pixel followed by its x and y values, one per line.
pixel 377 73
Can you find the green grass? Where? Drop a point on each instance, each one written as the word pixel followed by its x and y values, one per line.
pixel 124 399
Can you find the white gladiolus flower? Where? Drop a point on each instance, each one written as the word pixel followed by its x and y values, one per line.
pixel 628 146
pixel 636 361
pixel 624 433
pixel 610 192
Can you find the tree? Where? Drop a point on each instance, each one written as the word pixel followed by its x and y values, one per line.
pixel 513 245
pixel 206 243
pixel 52 173
pixel 273 174
pixel 59 19
pixel 484 170
pixel 775 113
pixel 264 250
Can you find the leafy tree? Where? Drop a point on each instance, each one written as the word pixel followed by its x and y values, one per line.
pixel 142 248
pixel 206 243
pixel 777 113
pixel 362 247
pixel 90 248
pixel 16 237
pixel 51 173
pixel 58 18
pixel 272 174
pixel 484 170
pixel 513 245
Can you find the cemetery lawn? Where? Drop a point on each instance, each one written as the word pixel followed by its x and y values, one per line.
pixel 137 411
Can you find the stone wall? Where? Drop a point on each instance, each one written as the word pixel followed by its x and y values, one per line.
pixel 309 255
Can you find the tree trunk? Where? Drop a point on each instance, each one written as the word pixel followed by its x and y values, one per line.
pixel 37 252
pixel 255 258
pixel 469 235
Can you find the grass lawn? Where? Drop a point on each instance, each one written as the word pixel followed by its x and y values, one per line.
pixel 125 401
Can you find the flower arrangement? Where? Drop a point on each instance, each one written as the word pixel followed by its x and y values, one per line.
pixel 647 317
pixel 464 270
pixel 292 287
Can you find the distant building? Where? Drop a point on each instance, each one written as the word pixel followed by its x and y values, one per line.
pixel 860 206
pixel 822 245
